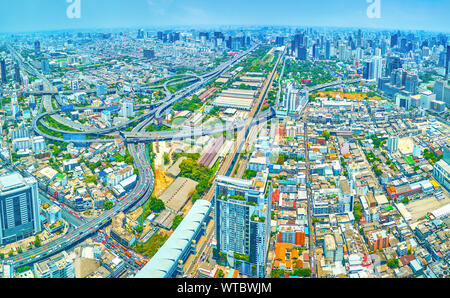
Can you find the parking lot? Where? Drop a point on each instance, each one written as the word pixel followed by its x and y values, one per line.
pixel 420 208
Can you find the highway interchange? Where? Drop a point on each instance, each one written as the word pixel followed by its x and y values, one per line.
pixel 145 183
pixel 136 197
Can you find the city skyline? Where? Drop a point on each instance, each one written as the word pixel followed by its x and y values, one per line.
pixel 44 15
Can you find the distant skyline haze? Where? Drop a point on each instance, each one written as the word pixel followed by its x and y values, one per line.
pixel 47 15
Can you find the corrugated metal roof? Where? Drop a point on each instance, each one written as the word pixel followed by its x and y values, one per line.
pixel 169 254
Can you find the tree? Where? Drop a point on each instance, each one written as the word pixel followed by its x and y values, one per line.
pixel 166 158
pixel 280 160
pixel 176 222
pixel 277 273
pixel 108 205
pixel 357 212
pixel 326 135
pixel 306 272
pixel 220 274
pixel 392 263
pixel 37 241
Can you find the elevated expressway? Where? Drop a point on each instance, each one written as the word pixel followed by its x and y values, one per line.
pixel 136 197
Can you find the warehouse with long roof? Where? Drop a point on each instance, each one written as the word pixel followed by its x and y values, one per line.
pixel 165 262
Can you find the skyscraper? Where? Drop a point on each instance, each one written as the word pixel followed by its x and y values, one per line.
pixel 315 51
pixel 3 70
pixel 17 76
pixel 45 66
pixel 394 40
pixel 140 34
pixel 368 70
pixel 392 144
pixel 301 53
pixel 447 63
pixel 392 63
pixel 412 83
pixel 242 223
pixel 37 47
pixel 127 109
pixel 328 50
pixel 377 70
pixel 19 208
pixel 149 54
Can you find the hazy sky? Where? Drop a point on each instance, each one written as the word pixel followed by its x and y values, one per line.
pixel 36 15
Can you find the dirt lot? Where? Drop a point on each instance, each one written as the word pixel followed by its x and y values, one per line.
pixel 421 207
pixel 162 181
pixel 356 96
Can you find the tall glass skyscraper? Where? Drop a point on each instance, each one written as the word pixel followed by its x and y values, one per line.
pixel 3 71
pixel 242 223
pixel 19 208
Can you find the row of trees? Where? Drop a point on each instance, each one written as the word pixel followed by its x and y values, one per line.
pixel 200 173
pixel 190 105
pixel 301 272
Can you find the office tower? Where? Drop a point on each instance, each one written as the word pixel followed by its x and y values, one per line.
pixel 218 34
pixel 328 50
pixel 398 78
pixel 242 223
pixel 315 52
pixel 294 100
pixel 102 89
pixel 343 52
pixel 229 42
pixel 140 34
pixel 38 144
pixel 441 170
pixel 204 36
pixel 149 54
pixel 403 44
pixel 17 76
pixel 236 44
pixel 392 144
pixel 127 109
pixel 45 66
pixel 446 157
pixel 368 70
pixel 442 91
pixel 412 83
pixel 3 71
pixel 394 40
pixel 301 53
pixel 392 63
pixel 159 35
pixel 19 208
pixel 425 99
pixel 37 47
pixel 377 70
pixel 15 108
pixel 74 84
pixel 441 60
pixel 57 266
pixel 439 90
pixel 279 41
pixel 447 63
pixel 383 47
